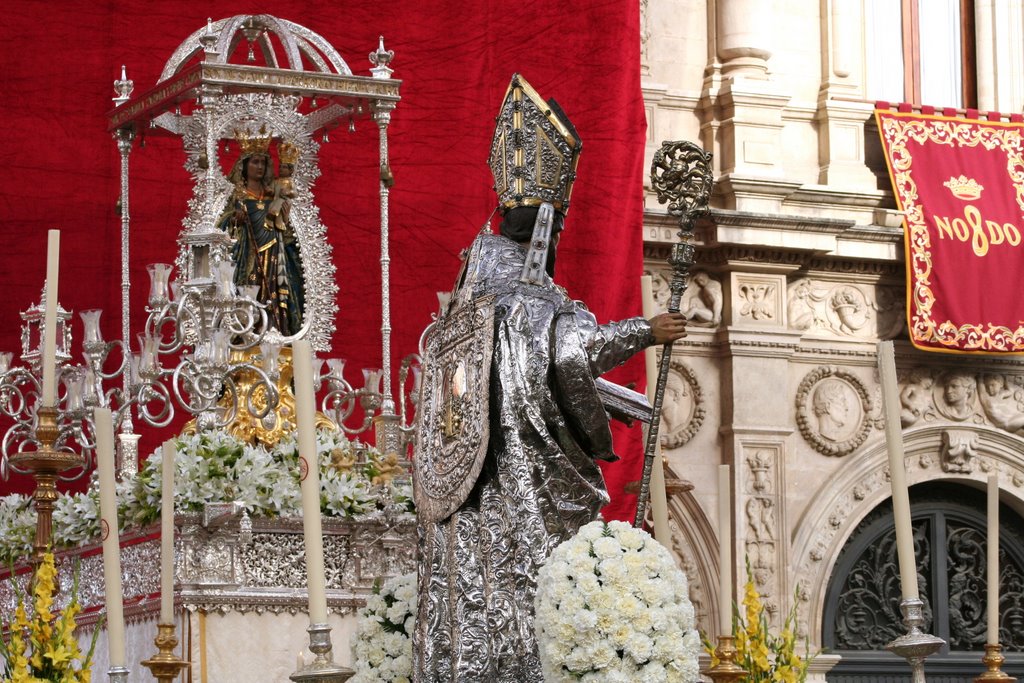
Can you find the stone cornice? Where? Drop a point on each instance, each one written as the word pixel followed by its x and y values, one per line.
pixel 793 242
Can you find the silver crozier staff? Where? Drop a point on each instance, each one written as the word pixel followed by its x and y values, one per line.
pixel 681 175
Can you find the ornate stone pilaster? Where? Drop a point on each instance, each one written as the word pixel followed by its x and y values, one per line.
pixel 759 525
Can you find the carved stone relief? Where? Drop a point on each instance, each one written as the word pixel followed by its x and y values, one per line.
pixel 702 301
pixel 959 449
pixel 660 290
pixel 891 319
pixel 833 410
pixel 958 396
pixel 757 299
pixel 845 310
pixel 645 36
pixel 762 531
pixel 1002 400
pixel 683 411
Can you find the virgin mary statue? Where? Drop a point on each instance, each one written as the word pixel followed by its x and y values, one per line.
pixel 266 251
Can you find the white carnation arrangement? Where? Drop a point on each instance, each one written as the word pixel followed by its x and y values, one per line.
pixel 613 607
pixel 216 467
pixel 17 527
pixel 382 642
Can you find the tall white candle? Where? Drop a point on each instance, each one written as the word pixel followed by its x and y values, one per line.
pixel 993 559
pixel 305 413
pixel 724 551
pixel 659 499
pixel 49 359
pixel 897 471
pixel 111 542
pixel 167 535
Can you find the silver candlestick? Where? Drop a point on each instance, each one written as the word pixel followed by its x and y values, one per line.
pixel 915 645
pixel 323 669
pixel 117 674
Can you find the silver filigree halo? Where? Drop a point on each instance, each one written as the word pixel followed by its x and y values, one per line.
pixel 219 120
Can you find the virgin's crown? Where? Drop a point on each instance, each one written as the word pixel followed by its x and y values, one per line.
pixel 534 151
pixel 253 143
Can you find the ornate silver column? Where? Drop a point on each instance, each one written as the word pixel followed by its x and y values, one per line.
pixel 388 434
pixel 128 441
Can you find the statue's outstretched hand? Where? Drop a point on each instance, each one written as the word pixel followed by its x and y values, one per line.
pixel 668 327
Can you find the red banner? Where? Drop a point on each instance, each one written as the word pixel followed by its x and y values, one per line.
pixel 960 184
pixel 58 71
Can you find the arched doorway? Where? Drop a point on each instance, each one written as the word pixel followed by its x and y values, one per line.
pixel 861 612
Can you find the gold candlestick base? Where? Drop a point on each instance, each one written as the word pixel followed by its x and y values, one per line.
pixel 727 669
pixel 994 659
pixel 45 464
pixel 165 665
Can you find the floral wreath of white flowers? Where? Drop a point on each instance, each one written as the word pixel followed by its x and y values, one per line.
pixel 216 467
pixel 382 642
pixel 613 607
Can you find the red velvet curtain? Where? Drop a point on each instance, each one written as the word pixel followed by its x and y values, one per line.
pixel 57 65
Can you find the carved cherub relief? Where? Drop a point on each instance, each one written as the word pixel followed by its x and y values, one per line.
pixel 803 307
pixel 916 397
pixel 891 312
pixel 660 290
pixel 1002 405
pixel 702 302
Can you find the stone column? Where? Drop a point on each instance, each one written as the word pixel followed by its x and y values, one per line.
pixel 841 111
pixel 985 52
pixel 743 30
pixel 999 40
pixel 742 108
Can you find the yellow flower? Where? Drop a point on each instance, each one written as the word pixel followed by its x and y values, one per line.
pixel 58 655
pixel 55 653
pixel 752 602
pixel 767 658
pixel 760 656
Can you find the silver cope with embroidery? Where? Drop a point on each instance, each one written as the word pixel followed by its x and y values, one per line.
pixel 538 482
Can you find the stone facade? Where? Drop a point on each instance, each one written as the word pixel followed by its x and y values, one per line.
pixel 803 273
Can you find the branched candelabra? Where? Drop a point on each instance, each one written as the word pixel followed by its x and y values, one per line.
pixel 356 410
pixel 55 442
pixel 84 389
pixel 207 322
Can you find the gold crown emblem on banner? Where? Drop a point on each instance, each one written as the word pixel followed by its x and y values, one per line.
pixel 253 143
pixel 964 187
pixel 287 153
pixel 534 151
